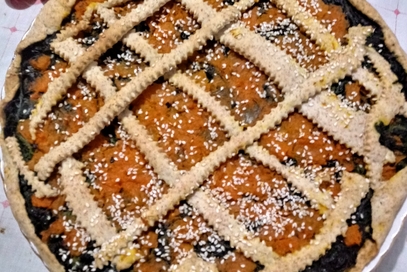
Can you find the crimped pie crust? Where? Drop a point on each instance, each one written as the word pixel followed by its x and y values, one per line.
pixel 297 88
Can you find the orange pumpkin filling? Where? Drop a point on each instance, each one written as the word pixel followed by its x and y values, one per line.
pixel 265 203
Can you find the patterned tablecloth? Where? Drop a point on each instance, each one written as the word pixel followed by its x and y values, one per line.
pixel 15 252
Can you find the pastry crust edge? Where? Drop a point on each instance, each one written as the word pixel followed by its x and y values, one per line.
pixel 46 23
pixel 381 224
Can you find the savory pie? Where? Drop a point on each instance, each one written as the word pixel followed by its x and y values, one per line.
pixel 206 135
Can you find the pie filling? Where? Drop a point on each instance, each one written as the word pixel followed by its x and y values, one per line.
pixel 125 185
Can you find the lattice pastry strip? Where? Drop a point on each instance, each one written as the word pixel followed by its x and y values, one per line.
pixel 69 49
pixel 201 170
pixel 387 77
pixel 156 158
pixel 40 189
pixel 304 185
pixel 93 74
pixel 279 67
pixel 74 187
pixel 74 29
pixel 382 67
pixel 391 94
pixel 354 187
pixel 193 263
pixel 301 88
pixel 346 125
pixel 59 86
pixel 288 75
pixel 293 175
pixel 108 15
pixel 161 165
pixel 319 80
pixel 372 83
pixel 376 155
pixel 312 26
pixel 380 111
pixel 230 229
pixel 127 94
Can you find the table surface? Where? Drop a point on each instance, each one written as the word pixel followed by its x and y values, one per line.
pixel 15 252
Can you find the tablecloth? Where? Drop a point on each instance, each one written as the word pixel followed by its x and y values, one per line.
pixel 15 252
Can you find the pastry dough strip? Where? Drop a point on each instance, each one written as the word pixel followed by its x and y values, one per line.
pixel 324 39
pixel 193 263
pixel 156 158
pixel 202 169
pixel 312 26
pixel 129 92
pixel 390 95
pixel 354 188
pixel 40 188
pixel 57 88
pixel 374 154
pixel 288 75
pixel 80 200
pixel 74 29
pixel 191 180
pixel 382 67
pixel 154 213
pixel 283 68
pixel 205 11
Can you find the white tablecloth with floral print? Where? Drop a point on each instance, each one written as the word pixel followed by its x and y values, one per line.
pixel 15 252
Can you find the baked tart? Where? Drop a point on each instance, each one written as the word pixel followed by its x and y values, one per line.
pixel 206 135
